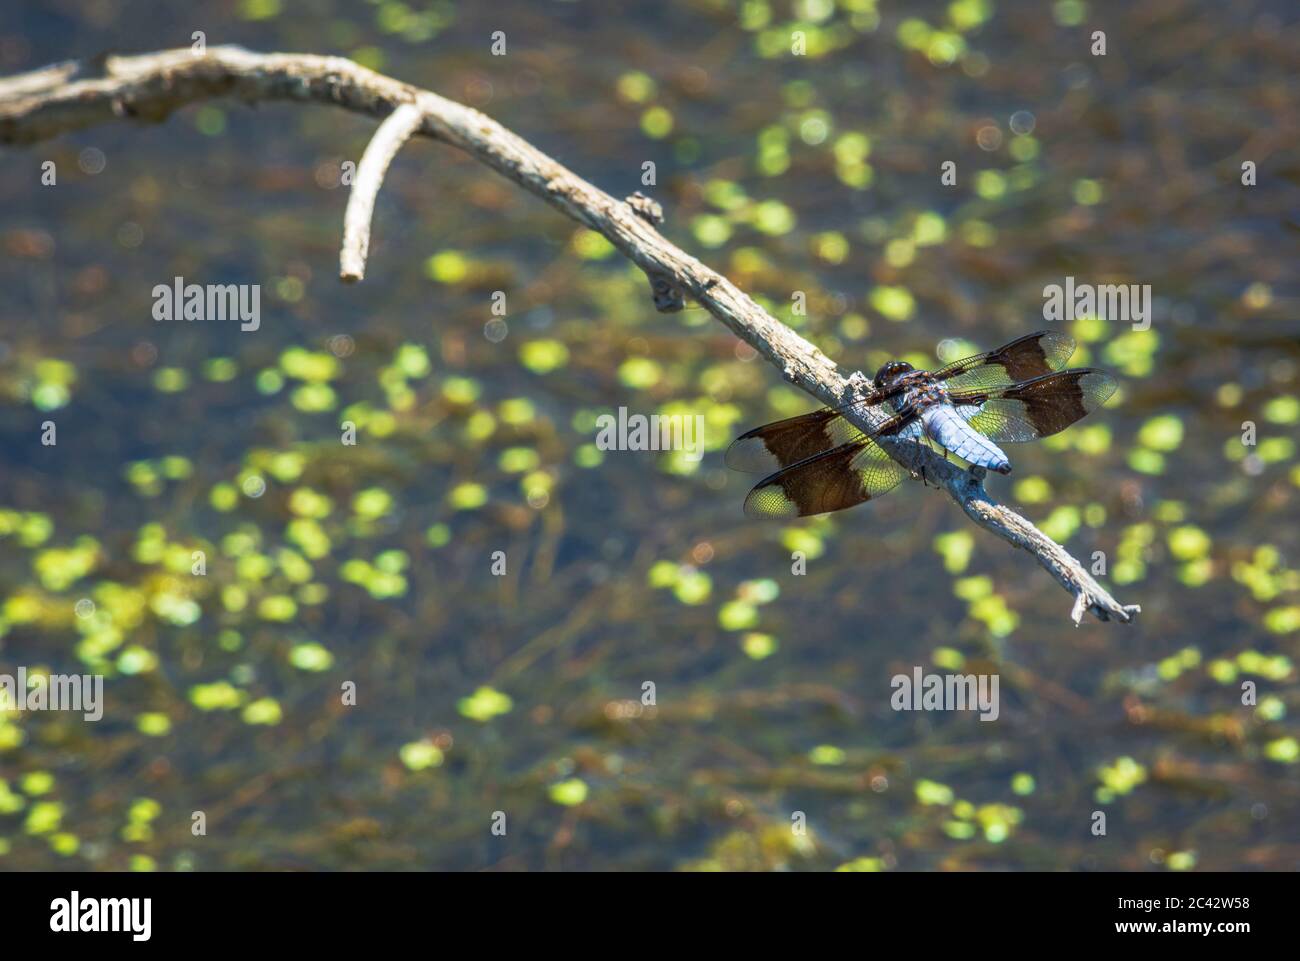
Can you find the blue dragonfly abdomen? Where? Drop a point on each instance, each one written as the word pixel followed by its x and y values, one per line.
pixel 947 428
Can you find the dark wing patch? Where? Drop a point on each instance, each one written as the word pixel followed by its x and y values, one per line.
pixel 1035 408
pixel 1024 358
pixel 783 443
pixel 830 481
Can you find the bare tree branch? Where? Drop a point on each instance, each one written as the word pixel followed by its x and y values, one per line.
pixel 42 104
pixel 396 129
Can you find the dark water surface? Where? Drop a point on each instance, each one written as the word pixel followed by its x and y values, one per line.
pixel 370 567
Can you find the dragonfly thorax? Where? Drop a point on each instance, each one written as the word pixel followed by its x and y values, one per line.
pixel 913 390
pixel 926 393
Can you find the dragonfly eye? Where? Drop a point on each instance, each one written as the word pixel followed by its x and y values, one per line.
pixel 890 371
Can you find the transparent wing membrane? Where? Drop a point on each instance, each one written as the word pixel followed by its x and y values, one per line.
pixel 1036 408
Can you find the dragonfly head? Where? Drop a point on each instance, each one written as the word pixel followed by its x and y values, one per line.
pixel 891 372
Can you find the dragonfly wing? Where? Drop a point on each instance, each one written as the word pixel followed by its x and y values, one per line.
pixel 1035 408
pixel 1023 359
pixel 786 442
pixel 830 481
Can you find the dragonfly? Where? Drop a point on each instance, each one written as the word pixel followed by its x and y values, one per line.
pixel 820 462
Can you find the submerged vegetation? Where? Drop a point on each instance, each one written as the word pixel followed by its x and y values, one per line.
pixel 309 640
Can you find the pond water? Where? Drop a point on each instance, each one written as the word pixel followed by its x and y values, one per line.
pixel 456 624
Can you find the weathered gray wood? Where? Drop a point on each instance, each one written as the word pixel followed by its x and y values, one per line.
pixel 45 103
pixel 397 128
